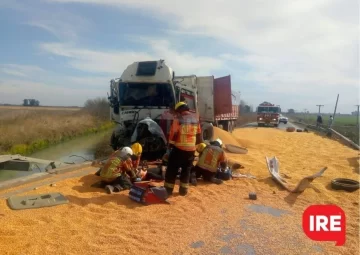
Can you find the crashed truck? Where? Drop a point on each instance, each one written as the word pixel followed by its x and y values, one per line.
pixel 141 99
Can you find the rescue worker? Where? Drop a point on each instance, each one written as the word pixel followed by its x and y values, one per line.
pixel 185 133
pixel 319 121
pixel 114 172
pixel 199 148
pixel 209 160
pixel 136 156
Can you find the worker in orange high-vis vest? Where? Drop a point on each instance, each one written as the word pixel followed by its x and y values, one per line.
pixel 185 134
pixel 208 163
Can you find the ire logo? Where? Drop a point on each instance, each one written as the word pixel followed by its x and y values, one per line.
pixel 324 223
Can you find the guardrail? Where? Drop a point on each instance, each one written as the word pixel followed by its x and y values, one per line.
pixel 344 139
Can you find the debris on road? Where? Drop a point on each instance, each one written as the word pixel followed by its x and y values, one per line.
pixel 290 129
pixel 252 196
pixel 345 184
pixel 273 167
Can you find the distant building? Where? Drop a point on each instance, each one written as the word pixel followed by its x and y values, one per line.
pixel 355 113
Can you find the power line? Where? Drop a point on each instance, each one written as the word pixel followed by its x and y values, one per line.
pixel 319 105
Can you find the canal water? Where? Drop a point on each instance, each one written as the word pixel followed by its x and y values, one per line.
pixel 77 150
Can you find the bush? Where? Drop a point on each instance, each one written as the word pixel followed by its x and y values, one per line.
pixel 98 107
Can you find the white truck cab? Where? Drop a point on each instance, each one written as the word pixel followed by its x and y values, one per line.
pixel 145 89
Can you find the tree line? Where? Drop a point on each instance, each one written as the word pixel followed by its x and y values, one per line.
pixel 31 102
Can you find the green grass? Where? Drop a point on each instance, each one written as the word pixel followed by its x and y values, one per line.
pixel 340 120
pixel 344 124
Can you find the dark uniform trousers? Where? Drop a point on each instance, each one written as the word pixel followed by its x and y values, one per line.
pixel 179 158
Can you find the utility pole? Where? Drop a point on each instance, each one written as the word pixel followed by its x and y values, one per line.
pixel 319 105
pixel 357 115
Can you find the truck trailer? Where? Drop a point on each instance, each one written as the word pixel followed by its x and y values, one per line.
pixel 211 98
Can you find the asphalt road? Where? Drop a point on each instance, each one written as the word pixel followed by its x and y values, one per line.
pixel 281 125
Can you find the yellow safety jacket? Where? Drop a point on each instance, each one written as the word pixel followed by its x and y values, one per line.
pixel 211 157
pixel 184 130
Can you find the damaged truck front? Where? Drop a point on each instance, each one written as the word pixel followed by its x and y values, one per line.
pixel 139 100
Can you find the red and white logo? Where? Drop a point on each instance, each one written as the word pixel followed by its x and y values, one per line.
pixel 325 223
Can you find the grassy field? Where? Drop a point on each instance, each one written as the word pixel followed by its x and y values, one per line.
pixel 27 129
pixel 340 120
pixel 344 124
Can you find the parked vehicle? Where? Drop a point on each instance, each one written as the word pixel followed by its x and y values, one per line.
pixel 283 119
pixel 268 114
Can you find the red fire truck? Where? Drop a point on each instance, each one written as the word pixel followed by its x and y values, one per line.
pixel 268 114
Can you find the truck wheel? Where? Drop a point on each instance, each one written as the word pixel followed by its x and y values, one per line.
pixel 207 131
pixel 276 125
pixel 226 125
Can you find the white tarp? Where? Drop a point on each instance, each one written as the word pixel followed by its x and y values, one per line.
pixel 153 127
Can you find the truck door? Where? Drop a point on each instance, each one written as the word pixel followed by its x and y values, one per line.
pixel 222 95
pixel 205 87
pixel 113 98
pixel 185 90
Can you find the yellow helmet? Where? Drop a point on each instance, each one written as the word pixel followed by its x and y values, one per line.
pixel 137 149
pixel 179 104
pixel 200 147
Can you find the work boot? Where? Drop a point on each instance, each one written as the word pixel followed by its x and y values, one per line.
pixel 183 191
pixel 118 188
pixel 169 191
pixel 216 181
pixel 193 180
pixel 109 189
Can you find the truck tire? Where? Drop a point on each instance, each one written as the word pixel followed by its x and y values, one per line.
pixel 276 125
pixel 345 184
pixel 207 131
pixel 226 125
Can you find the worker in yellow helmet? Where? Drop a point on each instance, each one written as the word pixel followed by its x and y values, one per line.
pixel 136 156
pixel 185 133
pixel 199 148
pixel 211 157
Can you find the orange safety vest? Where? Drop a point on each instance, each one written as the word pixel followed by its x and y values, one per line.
pixel 135 163
pixel 114 167
pixel 183 132
pixel 211 157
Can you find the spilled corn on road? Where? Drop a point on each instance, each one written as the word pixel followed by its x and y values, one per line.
pixel 212 219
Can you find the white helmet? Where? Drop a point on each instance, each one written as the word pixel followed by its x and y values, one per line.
pixel 219 141
pixel 124 153
pixel 127 150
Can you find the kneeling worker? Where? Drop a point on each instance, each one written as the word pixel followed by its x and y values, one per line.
pixel 114 172
pixel 208 163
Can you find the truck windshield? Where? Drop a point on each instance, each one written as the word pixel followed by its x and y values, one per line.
pixel 268 109
pixel 146 94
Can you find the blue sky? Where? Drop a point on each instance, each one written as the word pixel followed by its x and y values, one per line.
pixel 293 53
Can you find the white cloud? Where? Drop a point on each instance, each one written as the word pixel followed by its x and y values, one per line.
pixel 308 46
pixel 114 62
pixel 20 70
pixel 59 22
